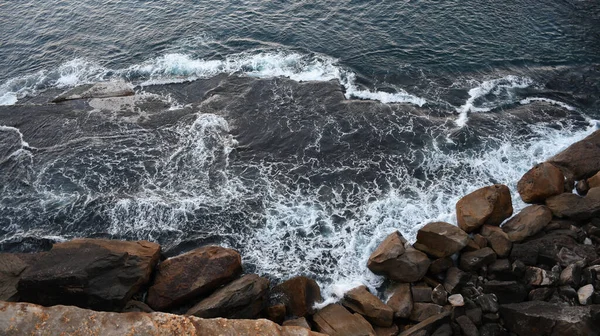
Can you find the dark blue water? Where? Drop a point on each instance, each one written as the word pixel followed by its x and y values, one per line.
pixel 299 132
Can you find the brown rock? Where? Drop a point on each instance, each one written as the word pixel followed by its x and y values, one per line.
pixel 427 326
pixel 439 295
pixel 389 331
pixel 527 223
pixel 421 293
pixel 299 295
pixel 390 248
pixel 497 239
pixel 480 240
pixel 440 265
pixel 243 298
pixel 473 261
pixel 276 312
pixel 18 319
pixel 361 301
pixel 398 264
pixel 137 306
pixel 299 322
pixel 441 239
pixel 335 320
pixel 422 311
pixel 594 181
pixel 401 300
pixel 95 273
pixel 568 205
pixel 455 279
pixel 193 274
pixel 12 266
pixel 581 159
pixel 540 182
pixel 488 205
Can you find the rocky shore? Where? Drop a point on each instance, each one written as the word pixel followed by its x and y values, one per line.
pixel 536 272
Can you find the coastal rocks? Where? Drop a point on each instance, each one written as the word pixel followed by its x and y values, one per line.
pixel 241 299
pixel 473 261
pixel 568 205
pixel 441 239
pixel 422 311
pixel 581 159
pixel 335 320
pixel 401 300
pixel 361 301
pixel 193 274
pixel 397 262
pixel 527 223
pixel 18 319
pixel 584 294
pixel 298 294
pixel 497 239
pixel 506 291
pixel 90 273
pixel 98 90
pixel 456 300
pixel 543 318
pixel 489 205
pixel 540 182
pixel 428 326
pixel 12 267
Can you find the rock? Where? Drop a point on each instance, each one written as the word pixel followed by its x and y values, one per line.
pixel 95 273
pixel 527 223
pixel 360 300
pixel 497 239
pixel 456 300
pixel 488 303
pixel 541 294
pixel 401 300
pixel 276 312
pixel 582 187
pixel 500 270
pixel 137 306
pixel 475 315
pixel 540 182
pixel 571 275
pixel 427 326
pixel 526 253
pixel 421 293
pixel 594 181
pixel 299 322
pixel 440 265
pixel 536 276
pixel 12 266
pixel 193 274
pixel 389 331
pixel 441 239
pixel 439 295
pixel 422 311
pixel 243 298
pixel 467 326
pixel 488 205
pixel 98 90
pixel 299 295
pixel 543 318
pixel 443 330
pixel 581 159
pixel 566 257
pixel 335 320
pixel 492 329
pixel 568 205
pixel 28 319
pixel 480 240
pixel 473 261
pixel 393 260
pixel 584 294
pixel 506 291
pixel 455 279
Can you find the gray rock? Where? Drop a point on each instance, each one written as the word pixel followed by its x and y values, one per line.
pixel 473 261
pixel 488 303
pixel 456 300
pixel 467 326
pixel 527 223
pixel 506 291
pixel 98 90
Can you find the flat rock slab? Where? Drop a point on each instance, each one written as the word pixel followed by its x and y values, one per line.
pixel 18 319
pixel 99 90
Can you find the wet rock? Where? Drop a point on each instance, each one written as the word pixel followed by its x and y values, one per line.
pixel 12 266
pixel 427 326
pixel 299 295
pixel 299 322
pixel 335 320
pixel 361 301
pixel 440 265
pixel 439 295
pixel 393 260
pixel 421 293
pixel 390 248
pixel 456 300
pixel 543 318
pixel 488 303
pixel 455 279
pixel 401 300
pixel 527 223
pixel 422 311
pixel 584 294
pixel 473 261
pixel 95 273
pixel 506 291
pixel 98 90
pixel 441 239
pixel 581 159
pixel 567 257
pixel 489 205
pixel 541 294
pixel 28 319
pixel 193 274
pixel 243 298
pixel 497 239
pixel 582 187
pixel 467 326
pixel 540 182
pixel 568 205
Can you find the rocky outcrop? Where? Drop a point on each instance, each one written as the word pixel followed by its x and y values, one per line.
pixel 335 320
pixel 298 294
pixel 581 159
pixel 488 205
pixel 540 182
pixel 90 273
pixel 193 274
pixel 18 319
pixel 527 223
pixel 441 239
pixel 399 264
pixel 12 266
pixel 361 301
pixel 243 298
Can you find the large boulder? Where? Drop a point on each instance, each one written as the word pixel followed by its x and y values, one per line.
pixel 581 159
pixel 549 319
pixel 335 320
pixel 441 239
pixel 489 205
pixel 243 298
pixel 193 274
pixel 12 266
pixel 397 262
pixel 360 300
pixel 568 205
pixel 497 239
pixel 540 182
pixel 18 319
pixel 527 223
pixel 298 294
pixel 91 273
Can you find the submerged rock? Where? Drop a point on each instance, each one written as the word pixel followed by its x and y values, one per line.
pixel 489 205
pixel 441 239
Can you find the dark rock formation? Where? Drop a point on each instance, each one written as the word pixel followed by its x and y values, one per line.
pixel 473 261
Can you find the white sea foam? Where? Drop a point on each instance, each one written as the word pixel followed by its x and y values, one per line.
pixel 547 100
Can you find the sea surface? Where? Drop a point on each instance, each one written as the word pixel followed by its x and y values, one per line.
pixel 299 132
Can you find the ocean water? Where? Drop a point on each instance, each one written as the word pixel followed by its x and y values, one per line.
pixel 299 132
